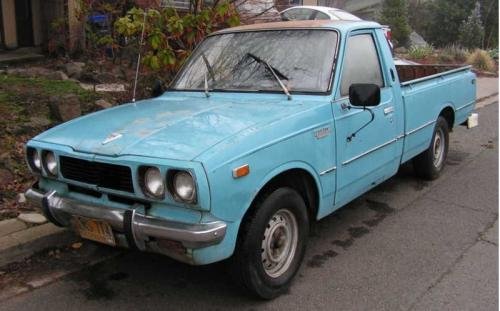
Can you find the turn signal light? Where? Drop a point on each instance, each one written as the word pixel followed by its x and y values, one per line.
pixel 241 171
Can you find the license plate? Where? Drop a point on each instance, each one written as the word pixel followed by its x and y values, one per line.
pixel 95 230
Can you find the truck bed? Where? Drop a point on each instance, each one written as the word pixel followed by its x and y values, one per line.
pixel 412 72
pixel 427 90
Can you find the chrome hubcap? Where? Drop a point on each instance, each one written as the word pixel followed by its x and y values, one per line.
pixel 279 243
pixel 438 148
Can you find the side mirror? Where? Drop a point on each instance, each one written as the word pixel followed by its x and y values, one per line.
pixel 158 88
pixel 364 95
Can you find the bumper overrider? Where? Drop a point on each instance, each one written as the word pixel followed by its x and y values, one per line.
pixel 137 228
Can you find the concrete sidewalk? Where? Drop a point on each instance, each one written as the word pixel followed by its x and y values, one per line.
pixel 20 240
pixel 486 87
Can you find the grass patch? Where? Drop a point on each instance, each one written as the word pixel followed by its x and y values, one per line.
pixel 420 52
pixel 481 60
pixel 453 54
pixel 44 87
pixel 21 99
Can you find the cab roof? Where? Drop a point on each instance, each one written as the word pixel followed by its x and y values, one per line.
pixel 341 25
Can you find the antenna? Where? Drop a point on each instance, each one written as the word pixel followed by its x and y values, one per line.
pixel 141 43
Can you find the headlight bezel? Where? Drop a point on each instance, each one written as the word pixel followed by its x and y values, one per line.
pixel 48 172
pixel 171 175
pixel 143 182
pixel 30 159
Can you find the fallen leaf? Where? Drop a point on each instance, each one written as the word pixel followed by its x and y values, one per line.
pixel 76 245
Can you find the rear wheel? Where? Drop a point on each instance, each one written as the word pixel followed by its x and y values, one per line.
pixel 271 244
pixel 430 163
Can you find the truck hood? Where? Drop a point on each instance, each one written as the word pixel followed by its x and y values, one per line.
pixel 170 127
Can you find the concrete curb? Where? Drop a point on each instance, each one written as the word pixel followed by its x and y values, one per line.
pixel 20 244
pixel 486 97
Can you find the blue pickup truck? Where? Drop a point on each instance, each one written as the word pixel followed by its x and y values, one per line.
pixel 266 129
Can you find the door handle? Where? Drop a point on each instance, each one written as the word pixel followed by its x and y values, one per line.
pixel 388 110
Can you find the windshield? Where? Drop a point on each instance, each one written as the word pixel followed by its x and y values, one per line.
pixel 302 59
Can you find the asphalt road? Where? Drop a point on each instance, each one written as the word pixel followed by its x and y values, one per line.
pixel 406 245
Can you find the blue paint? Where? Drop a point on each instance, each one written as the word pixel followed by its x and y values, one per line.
pixel 212 136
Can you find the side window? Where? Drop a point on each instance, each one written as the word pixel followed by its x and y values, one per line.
pixel 361 63
pixel 297 14
pixel 321 15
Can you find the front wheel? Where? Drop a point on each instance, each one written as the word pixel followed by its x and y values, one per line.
pixel 430 163
pixel 271 244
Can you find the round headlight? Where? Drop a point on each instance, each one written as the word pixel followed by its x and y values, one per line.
pixel 184 186
pixel 50 163
pixel 34 159
pixel 153 182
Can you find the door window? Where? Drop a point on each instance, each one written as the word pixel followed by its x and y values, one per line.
pixel 297 14
pixel 321 15
pixel 361 63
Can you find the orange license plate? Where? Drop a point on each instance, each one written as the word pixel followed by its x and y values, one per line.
pixel 95 230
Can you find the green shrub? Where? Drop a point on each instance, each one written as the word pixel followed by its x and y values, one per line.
pixel 493 53
pixel 395 14
pixel 481 60
pixel 453 54
pixel 169 37
pixel 420 52
pixel 471 32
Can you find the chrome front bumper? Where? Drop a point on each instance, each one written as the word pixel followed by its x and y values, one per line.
pixel 137 227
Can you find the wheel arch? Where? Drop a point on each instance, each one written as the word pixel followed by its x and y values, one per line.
pixel 448 113
pixel 299 177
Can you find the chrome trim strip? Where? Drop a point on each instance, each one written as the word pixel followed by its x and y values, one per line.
pixel 369 151
pixel 466 105
pixel 331 169
pixel 142 226
pixel 402 135
pixel 420 127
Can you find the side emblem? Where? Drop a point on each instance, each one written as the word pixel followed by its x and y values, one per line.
pixel 322 132
pixel 111 137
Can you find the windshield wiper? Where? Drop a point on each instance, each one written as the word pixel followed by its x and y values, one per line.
pixel 210 71
pixel 274 72
pixel 209 67
pixel 207 94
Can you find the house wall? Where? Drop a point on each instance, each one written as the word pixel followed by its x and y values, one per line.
pixel 148 3
pixel 310 2
pixel 44 12
pixel 36 12
pixel 9 23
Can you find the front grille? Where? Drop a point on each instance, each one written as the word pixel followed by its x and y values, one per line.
pixel 111 176
pixel 81 190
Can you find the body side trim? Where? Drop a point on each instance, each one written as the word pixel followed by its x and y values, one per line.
pixel 331 169
pixel 420 127
pixel 369 151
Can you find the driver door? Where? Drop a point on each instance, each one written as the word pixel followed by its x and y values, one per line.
pixel 366 155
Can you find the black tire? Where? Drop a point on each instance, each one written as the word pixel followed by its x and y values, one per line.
pixel 430 163
pixel 247 264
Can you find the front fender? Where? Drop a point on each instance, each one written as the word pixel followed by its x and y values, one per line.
pixel 281 169
pixel 236 215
